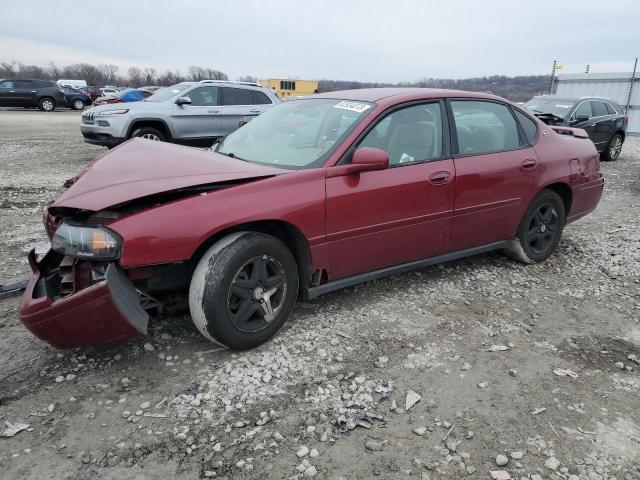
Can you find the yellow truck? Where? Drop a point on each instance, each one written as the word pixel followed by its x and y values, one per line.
pixel 290 88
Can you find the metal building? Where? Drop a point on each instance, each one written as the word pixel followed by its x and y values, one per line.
pixel 615 86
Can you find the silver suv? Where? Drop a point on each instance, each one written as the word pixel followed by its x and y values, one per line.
pixel 194 113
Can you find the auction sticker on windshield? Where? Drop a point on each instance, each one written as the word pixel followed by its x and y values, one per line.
pixel 353 106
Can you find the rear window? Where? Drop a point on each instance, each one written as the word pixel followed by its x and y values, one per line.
pixel 259 98
pixel 528 126
pixel 611 109
pixel 599 109
pixel 236 96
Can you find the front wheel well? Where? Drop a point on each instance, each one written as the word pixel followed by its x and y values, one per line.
pixel 157 124
pixel 621 133
pixel 286 232
pixel 564 191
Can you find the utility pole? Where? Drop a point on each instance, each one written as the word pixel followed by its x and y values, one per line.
pixel 633 79
pixel 586 69
pixel 553 74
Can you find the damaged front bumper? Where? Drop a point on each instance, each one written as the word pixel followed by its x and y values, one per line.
pixel 106 311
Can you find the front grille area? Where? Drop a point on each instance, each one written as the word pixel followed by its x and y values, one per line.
pixel 88 117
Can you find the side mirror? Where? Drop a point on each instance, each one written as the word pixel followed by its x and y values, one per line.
pixel 364 159
pixel 183 101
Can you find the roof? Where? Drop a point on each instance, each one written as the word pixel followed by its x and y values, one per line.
pixel 573 99
pixel 400 94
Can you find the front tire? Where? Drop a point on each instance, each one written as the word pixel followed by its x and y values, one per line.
pixel 78 104
pixel 540 230
pixel 614 147
pixel 243 289
pixel 149 134
pixel 47 104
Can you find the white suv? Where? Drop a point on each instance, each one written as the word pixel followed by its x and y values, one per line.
pixel 189 112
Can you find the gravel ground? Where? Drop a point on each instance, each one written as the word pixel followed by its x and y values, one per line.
pixel 532 371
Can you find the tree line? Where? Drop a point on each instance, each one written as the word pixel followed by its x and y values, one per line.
pixel 520 88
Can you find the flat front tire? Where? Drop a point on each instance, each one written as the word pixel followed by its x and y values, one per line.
pixel 243 289
pixel 540 230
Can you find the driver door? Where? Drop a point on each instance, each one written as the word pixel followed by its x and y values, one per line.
pixel 379 219
pixel 202 118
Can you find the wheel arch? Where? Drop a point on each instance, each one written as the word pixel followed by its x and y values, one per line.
pixel 284 231
pixel 620 132
pixel 565 193
pixel 152 123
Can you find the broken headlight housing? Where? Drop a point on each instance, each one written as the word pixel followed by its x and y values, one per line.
pixel 86 241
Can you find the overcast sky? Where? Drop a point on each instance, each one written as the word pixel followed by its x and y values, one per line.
pixel 368 40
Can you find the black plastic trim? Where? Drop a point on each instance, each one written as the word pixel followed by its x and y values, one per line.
pixel 126 298
pixel 402 268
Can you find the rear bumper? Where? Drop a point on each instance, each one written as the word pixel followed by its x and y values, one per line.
pixel 586 197
pixel 105 312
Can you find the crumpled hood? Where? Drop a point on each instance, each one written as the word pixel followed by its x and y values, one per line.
pixel 139 168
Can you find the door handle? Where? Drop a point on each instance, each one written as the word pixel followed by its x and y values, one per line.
pixel 592 125
pixel 529 164
pixel 254 111
pixel 213 111
pixel 440 178
pixel 33 91
pixel 12 91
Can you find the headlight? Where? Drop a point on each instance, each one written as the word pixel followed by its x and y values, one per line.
pixel 82 241
pixel 120 111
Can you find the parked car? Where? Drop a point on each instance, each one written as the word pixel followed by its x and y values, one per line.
pixel 312 196
pixel 72 83
pixel 604 120
pixel 151 88
pixel 93 91
pixel 124 96
pixel 44 94
pixel 190 112
pixel 76 99
pixel 108 91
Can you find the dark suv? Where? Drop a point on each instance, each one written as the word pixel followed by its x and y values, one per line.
pixel 44 94
pixel 602 119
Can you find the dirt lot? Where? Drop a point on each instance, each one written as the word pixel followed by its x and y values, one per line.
pixel 478 340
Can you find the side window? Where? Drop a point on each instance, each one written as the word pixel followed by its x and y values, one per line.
pixel 24 84
pixel 6 84
pixel 204 97
pixel 259 98
pixel 583 109
pixel 236 96
pixel 599 109
pixel 611 109
pixel 409 135
pixel 528 126
pixel 484 127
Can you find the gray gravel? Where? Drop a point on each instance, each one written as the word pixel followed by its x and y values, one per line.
pixel 172 404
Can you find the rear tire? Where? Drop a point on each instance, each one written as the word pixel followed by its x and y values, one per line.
pixel 540 230
pixel 78 104
pixel 614 147
pixel 149 133
pixel 47 104
pixel 243 289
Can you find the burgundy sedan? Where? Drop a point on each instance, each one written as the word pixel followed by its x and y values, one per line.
pixel 315 195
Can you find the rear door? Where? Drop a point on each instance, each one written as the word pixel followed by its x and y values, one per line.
pixel 497 171
pixel 238 108
pixel 384 218
pixel 202 118
pixel 7 93
pixel 605 124
pixel 25 93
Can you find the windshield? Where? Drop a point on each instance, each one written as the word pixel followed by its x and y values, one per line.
pixel 167 93
pixel 296 134
pixel 554 106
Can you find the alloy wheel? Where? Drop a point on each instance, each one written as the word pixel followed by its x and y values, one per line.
pixel 543 228
pixel 615 147
pixel 78 105
pixel 257 293
pixel 150 136
pixel 47 105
